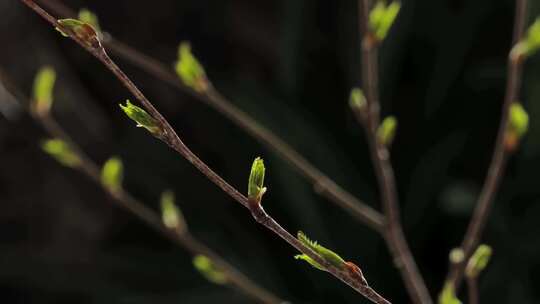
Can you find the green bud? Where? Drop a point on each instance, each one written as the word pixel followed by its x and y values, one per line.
pixel 387 130
pixel 325 253
pixel 207 268
pixel 530 44
pixel 478 261
pixel 61 151
pixel 448 295
pixel 518 123
pixel 189 69
pixel 357 100
pixel 456 256
pixel 170 214
pixel 381 18
pixel 141 117
pixel 518 120
pixel 82 30
pixel 87 16
pixel 256 187
pixel 112 174
pixel 43 90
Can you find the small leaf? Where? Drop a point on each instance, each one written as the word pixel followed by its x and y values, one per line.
pixel 82 30
pixel 530 44
pixel 207 268
pixel 382 17
pixel 43 90
pixel 87 16
pixel 256 187
pixel 170 214
pixel 357 100
pixel 141 117
pixel 478 261
pixel 325 253
pixel 310 261
pixel 190 70
pixel 112 174
pixel 448 295
pixel 61 151
pixel 387 130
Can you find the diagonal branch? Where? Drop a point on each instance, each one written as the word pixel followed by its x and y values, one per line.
pixel 499 158
pixel 124 199
pixel 323 185
pixel 393 231
pixel 169 136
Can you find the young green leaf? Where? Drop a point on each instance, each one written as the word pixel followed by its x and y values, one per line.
pixel 189 69
pixel 207 268
pixel 61 151
pixel 325 253
pixel 381 18
pixel 448 295
pixel 112 174
pixel 530 44
pixel 82 30
pixel 478 261
pixel 170 214
pixel 256 187
pixel 87 16
pixel 141 117
pixel 357 100
pixel 43 90
pixel 311 261
pixel 387 130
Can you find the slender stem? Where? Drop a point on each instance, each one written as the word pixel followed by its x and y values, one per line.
pixel 380 156
pixel 499 157
pixel 323 185
pixel 171 138
pixel 125 200
pixel 472 285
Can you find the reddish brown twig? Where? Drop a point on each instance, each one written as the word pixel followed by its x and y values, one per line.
pixel 380 156
pixel 169 136
pixel 125 200
pixel 321 182
pixel 499 158
pixel 472 289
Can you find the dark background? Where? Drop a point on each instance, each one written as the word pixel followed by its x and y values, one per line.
pixel 290 64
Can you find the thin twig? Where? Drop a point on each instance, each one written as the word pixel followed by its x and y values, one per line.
pixel 499 158
pixel 125 200
pixel 171 138
pixel 380 156
pixel 321 182
pixel 472 289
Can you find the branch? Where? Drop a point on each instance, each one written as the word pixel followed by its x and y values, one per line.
pixel 168 135
pixel 125 200
pixel 370 119
pixel 472 285
pixel 323 185
pixel 499 158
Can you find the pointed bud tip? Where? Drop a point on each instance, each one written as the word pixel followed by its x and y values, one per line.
pixel 256 187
